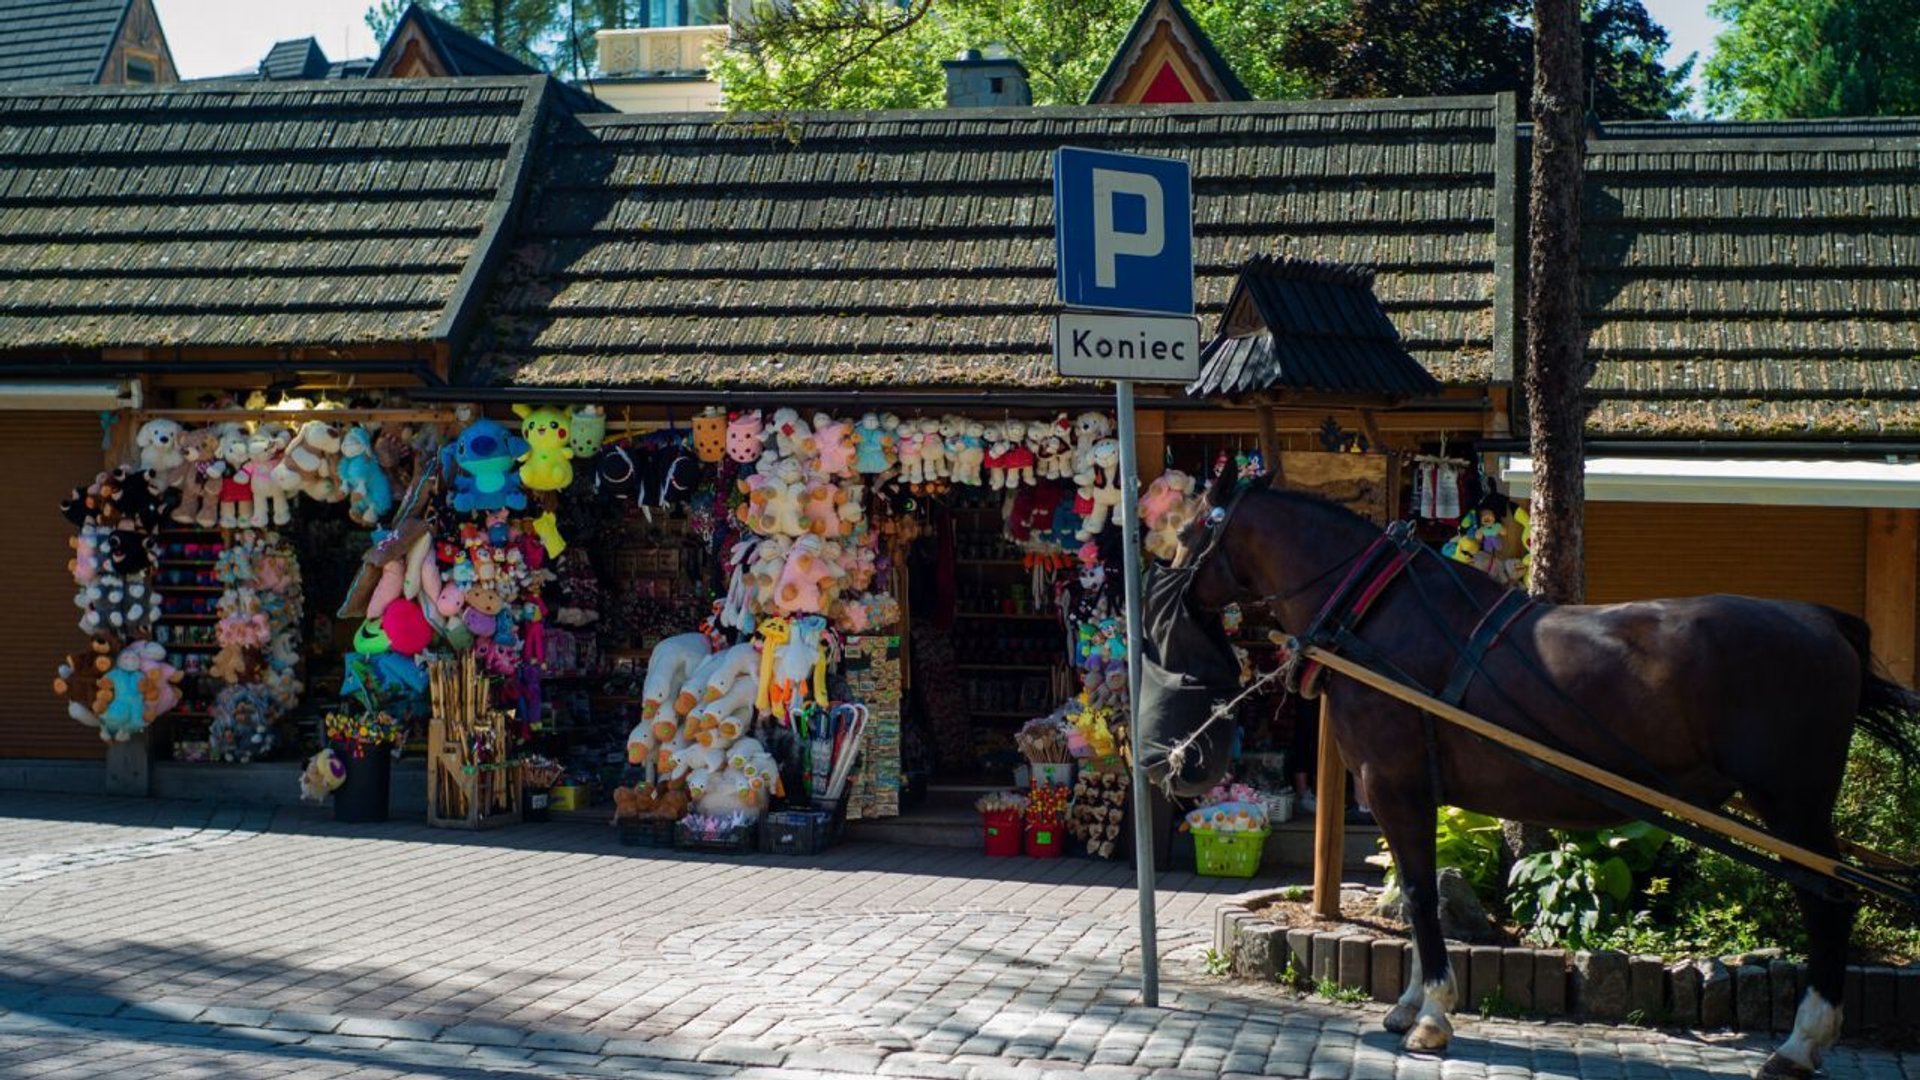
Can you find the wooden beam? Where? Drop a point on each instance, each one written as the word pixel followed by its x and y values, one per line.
pixel 1270 446
pixel 1150 444
pixel 1893 580
pixel 1329 820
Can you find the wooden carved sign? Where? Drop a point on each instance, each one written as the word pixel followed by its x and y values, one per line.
pixel 1360 482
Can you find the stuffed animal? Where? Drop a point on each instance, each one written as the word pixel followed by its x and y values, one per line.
pixel 161 444
pixel 121 552
pixel 667 670
pixel 310 465
pixel 833 445
pixel 79 680
pixel 547 459
pixel 822 507
pixel 1166 509
pixel 933 446
pixel 1099 484
pixel 910 445
pixel 745 436
pixel 587 429
pixel 116 605
pixel 998 446
pixel 736 664
pixel 783 513
pixel 803 581
pixel 369 493
pixel 236 480
pixel 1088 429
pixel 121 703
pixel 482 460
pixel 1019 458
pixel 729 792
pixel 763 570
pixel 325 772
pixel 791 435
pixel 1052 447
pixel 872 446
pixel 198 479
pixel 710 435
pixel 265 450
pixel 547 528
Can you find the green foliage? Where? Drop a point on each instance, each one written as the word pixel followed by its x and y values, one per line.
pixel 553 35
pixel 1498 1006
pixel 1578 893
pixel 1216 962
pixel 1469 842
pixel 1785 59
pixel 1294 893
pixel 863 54
pixel 1290 974
pixel 1344 995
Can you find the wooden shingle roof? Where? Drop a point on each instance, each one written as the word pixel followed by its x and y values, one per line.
pixel 57 42
pixel 1754 279
pixel 1300 325
pixel 253 214
pixel 916 248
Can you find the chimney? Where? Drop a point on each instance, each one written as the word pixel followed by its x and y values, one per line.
pixel 975 80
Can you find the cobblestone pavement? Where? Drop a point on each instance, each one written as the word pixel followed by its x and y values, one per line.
pixel 142 938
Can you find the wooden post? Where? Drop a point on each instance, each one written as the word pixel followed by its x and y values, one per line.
pixel 1150 444
pixel 1893 579
pixel 1329 820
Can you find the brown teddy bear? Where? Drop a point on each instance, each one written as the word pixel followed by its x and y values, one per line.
pixel 197 478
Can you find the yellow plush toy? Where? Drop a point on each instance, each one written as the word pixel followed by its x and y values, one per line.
pixel 548 463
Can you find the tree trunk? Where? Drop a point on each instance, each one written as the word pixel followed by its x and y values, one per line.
pixel 1556 366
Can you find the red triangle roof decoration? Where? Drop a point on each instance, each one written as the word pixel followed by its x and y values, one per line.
pixel 1167 58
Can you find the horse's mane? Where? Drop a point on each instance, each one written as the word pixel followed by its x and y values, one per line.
pixel 1317 502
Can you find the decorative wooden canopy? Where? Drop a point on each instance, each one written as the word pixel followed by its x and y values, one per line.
pixel 1167 59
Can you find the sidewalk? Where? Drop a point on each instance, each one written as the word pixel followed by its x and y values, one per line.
pixel 145 938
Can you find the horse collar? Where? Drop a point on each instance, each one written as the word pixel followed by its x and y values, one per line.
pixel 1333 625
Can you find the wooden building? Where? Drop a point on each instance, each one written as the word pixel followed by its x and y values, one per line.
pixel 46 43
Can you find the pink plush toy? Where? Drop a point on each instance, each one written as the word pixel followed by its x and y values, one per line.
pixel 833 444
pixel 406 627
pixel 822 507
pixel 805 576
pixel 236 478
pixel 746 434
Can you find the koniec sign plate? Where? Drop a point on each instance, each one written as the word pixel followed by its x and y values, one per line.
pixel 1148 348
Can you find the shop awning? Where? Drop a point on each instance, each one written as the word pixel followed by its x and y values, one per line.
pixel 1749 481
pixel 93 395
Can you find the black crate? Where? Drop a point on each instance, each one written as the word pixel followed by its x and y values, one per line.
pixel 735 841
pixel 647 832
pixel 796 832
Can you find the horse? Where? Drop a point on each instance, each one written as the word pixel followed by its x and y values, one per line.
pixel 1703 697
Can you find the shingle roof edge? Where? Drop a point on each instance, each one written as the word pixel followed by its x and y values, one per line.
pixel 469 292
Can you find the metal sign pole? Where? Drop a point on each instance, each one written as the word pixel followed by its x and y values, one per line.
pixel 1142 802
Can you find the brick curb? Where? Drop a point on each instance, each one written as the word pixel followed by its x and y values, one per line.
pixel 1754 993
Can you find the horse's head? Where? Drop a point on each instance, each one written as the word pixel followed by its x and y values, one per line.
pixel 1203 547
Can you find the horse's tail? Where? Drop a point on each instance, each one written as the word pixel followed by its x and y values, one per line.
pixel 1889 713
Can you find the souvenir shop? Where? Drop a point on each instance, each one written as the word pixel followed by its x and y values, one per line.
pixel 710 629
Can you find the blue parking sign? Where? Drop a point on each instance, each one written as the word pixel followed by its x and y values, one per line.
pixel 1123 231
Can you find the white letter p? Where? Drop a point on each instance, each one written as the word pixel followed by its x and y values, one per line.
pixel 1109 244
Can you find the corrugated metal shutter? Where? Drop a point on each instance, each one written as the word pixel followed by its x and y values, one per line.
pixel 1640 551
pixel 46 455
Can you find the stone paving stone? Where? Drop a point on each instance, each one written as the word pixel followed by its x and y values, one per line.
pixel 79 1005
pixel 378 1028
pixel 318 1023
pixel 346 1042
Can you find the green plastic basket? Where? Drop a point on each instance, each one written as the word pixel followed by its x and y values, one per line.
pixel 1228 854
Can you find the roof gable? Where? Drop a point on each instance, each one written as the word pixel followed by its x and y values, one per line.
pixel 57 42
pixel 1167 59
pixel 254 215
pixel 1305 325
pixel 298 59
pixel 425 45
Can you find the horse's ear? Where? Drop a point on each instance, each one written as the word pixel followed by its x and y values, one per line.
pixel 1221 493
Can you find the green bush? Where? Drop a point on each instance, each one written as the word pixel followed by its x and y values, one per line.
pixel 1470 843
pixel 1579 893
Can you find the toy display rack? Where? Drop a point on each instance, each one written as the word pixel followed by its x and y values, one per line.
pixel 464 789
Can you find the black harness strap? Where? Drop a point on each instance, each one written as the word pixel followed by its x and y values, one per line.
pixel 1492 626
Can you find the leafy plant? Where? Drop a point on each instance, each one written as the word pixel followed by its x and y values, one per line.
pixel 1217 962
pixel 1344 995
pixel 1578 893
pixel 1467 841
pixel 1294 893
pixel 1497 1005
pixel 1291 975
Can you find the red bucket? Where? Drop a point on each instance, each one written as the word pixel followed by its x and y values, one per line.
pixel 1046 840
pixel 1002 832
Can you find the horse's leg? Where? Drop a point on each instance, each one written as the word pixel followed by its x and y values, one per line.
pixel 1829 923
pixel 1408 821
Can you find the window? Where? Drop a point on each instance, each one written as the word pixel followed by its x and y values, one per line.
pixel 657 14
pixel 141 70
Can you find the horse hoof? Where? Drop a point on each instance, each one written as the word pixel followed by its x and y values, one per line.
pixel 1428 1037
pixel 1782 1068
pixel 1400 1019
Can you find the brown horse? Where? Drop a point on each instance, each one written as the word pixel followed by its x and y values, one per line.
pixel 1702 697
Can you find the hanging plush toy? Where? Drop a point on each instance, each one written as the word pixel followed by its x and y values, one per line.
pixel 122 704
pixel 1088 429
pixel 967 452
pixel 548 460
pixel 369 494
pixel 162 448
pixel 198 479
pixel 310 465
pixel 236 478
pixel 265 450
pixel 873 445
pixel 1099 486
pixel 833 445
pixel 482 460
pixel 587 429
pixel 1165 510
pixel 791 435
pixel 710 435
pixel 745 436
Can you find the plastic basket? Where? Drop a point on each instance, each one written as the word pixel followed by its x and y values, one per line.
pixel 796 832
pixel 735 841
pixel 1046 840
pixel 1228 854
pixel 654 832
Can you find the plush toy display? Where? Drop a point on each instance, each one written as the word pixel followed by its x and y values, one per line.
pixel 482 460
pixel 710 435
pixel 745 437
pixel 1099 486
pixel 587 430
pixel 236 478
pixel 266 448
pixel 1165 510
pixel 369 493
pixel 161 444
pixel 547 458
pixel 791 435
pixel 1053 449
pixel 197 479
pixel 873 445
pixel 324 774
pixel 310 464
